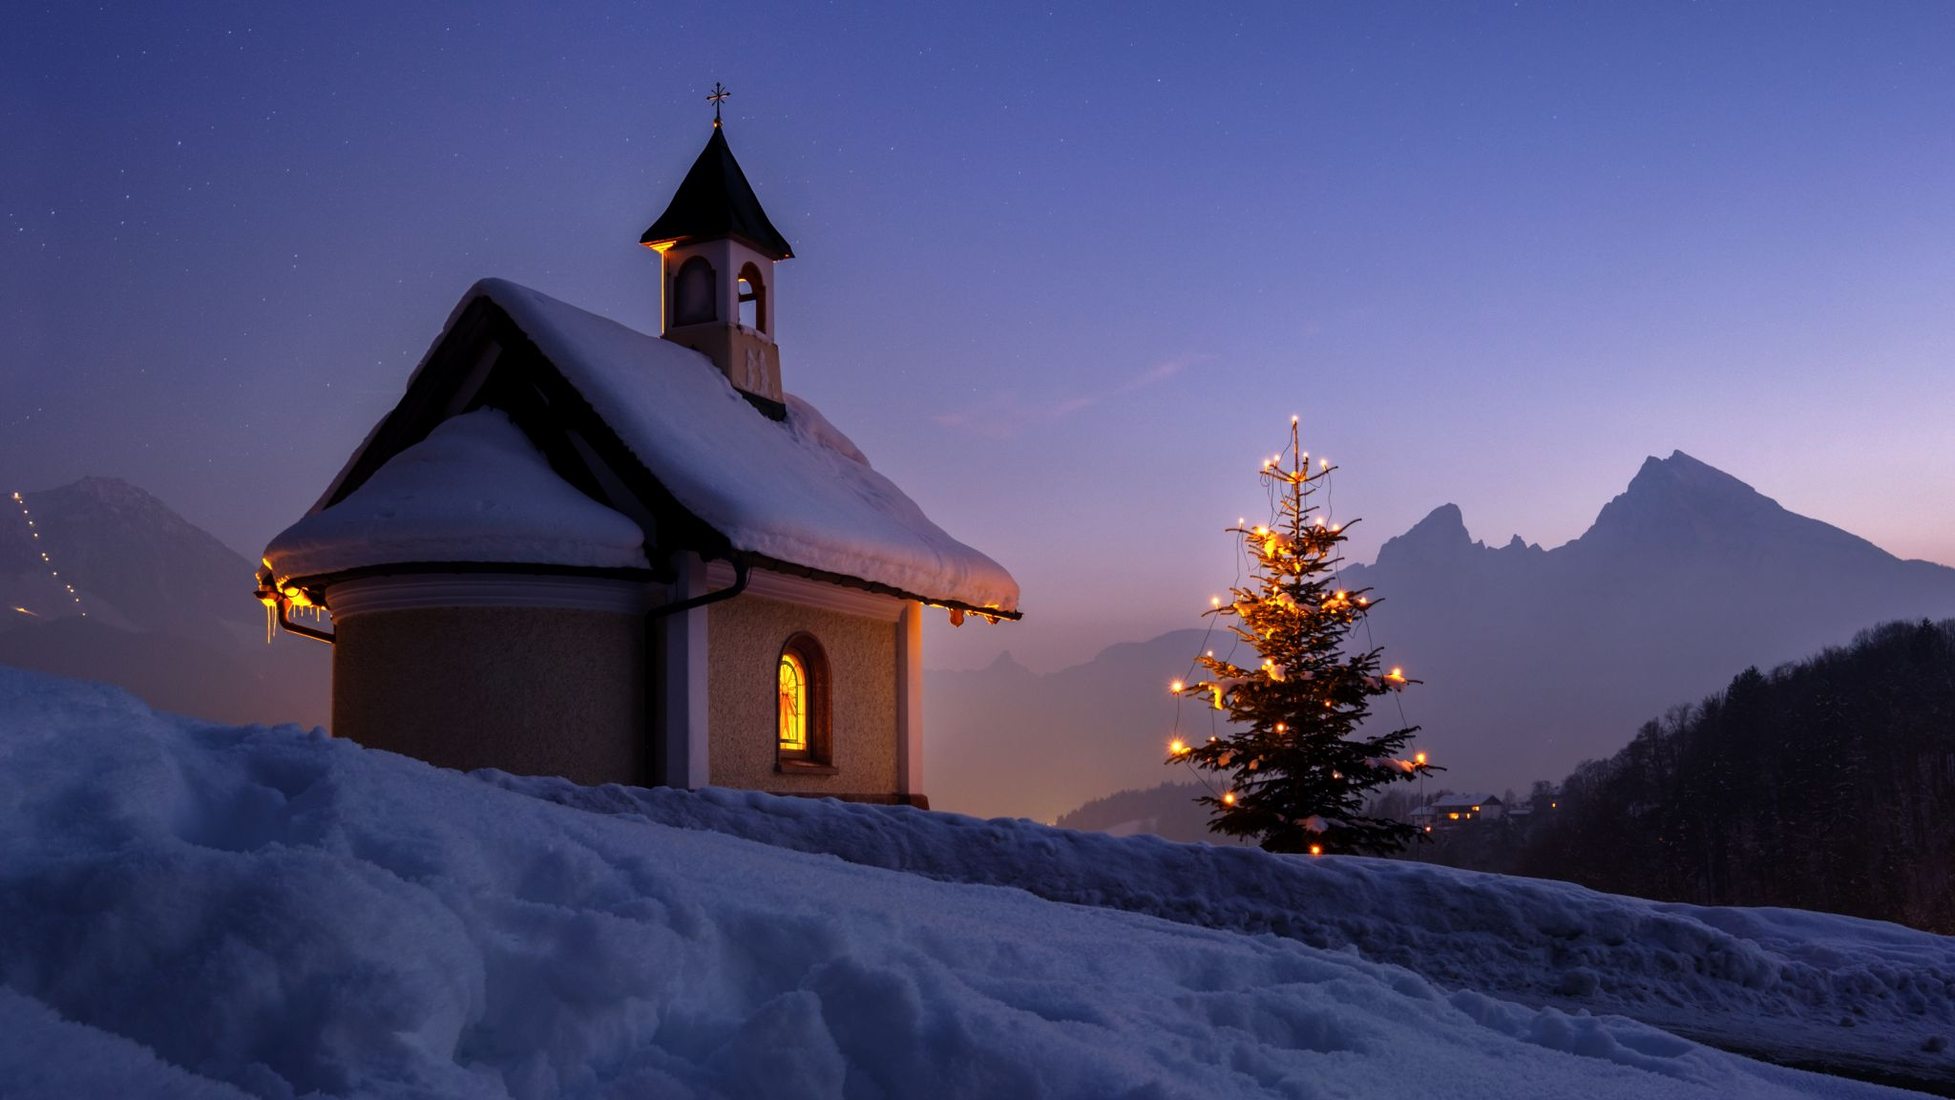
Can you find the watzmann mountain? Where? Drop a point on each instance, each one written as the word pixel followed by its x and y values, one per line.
pixel 1533 659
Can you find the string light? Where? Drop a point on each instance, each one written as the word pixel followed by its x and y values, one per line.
pixel 34 536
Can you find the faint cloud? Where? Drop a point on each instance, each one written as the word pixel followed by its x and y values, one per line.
pixel 1007 413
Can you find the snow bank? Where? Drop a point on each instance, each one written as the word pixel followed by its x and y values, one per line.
pixel 1799 987
pixel 475 490
pixel 201 911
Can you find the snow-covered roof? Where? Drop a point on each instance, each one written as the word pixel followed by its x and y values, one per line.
pixel 1465 800
pixel 795 492
pixel 475 490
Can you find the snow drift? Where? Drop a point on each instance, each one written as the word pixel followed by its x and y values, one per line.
pixel 201 911
pixel 1790 985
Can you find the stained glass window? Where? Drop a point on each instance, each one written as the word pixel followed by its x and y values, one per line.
pixel 794 704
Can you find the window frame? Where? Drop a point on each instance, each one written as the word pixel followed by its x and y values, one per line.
pixel 756 293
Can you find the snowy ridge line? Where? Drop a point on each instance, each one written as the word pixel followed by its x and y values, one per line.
pixel 195 911
pixel 1855 996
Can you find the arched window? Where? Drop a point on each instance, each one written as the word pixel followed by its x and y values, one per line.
pixel 794 705
pixel 802 707
pixel 692 293
pixel 753 299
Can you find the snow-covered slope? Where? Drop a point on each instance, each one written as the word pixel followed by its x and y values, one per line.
pixel 196 911
pixel 1795 986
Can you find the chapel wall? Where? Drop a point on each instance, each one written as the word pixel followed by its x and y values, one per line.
pixel 744 638
pixel 534 691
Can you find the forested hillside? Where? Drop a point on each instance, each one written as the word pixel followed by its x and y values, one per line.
pixel 1824 784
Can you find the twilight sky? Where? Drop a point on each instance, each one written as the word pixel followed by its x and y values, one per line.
pixel 1064 275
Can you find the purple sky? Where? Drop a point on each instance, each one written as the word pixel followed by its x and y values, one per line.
pixel 1063 276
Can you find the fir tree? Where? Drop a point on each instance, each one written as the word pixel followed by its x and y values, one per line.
pixel 1297 762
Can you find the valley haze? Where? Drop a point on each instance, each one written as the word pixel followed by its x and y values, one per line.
pixel 1532 659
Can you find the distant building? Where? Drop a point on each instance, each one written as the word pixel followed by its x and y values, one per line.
pixel 1459 809
pixel 577 549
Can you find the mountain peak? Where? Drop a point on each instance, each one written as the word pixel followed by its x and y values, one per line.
pixel 1441 533
pixel 1681 501
pixel 1004 662
pixel 1682 475
pixel 109 490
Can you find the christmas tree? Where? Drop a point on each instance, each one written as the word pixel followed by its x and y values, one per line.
pixel 1296 759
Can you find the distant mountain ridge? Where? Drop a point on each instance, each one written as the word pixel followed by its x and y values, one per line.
pixel 169 608
pixel 1533 659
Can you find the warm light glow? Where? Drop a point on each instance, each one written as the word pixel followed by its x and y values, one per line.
pixel 1418 758
pixel 1316 849
pixel 24 611
pixel 1293 418
pixel 1215 601
pixel 1228 798
pixel 1282 728
pixel 660 247
pixel 1175 686
pixel 793 704
pixel 1396 675
pixel 1177 746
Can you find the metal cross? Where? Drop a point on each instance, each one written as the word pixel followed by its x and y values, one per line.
pixel 719 96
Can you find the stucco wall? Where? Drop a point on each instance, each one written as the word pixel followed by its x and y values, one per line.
pixel 536 691
pixel 744 637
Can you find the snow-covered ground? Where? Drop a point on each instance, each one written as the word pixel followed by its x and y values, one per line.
pixel 192 911
pixel 1794 986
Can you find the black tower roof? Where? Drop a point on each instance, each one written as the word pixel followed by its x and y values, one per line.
pixel 715 201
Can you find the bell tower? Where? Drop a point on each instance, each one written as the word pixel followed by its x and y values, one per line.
pixel 717 252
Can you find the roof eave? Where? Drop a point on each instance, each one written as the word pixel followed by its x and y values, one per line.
pixel 843 579
pixel 661 243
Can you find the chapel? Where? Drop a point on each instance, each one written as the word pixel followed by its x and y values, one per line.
pixel 578 549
